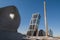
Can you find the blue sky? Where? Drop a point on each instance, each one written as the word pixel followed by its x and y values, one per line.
pixel 28 7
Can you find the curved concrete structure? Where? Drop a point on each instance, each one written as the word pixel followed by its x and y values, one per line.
pixel 9 22
pixel 9 18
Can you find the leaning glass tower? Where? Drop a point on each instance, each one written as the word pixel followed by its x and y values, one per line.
pixel 33 26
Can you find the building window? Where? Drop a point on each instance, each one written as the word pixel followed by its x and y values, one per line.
pixel 34 16
pixel 31 27
pixel 34 21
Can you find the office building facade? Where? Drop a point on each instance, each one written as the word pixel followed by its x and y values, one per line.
pixel 33 26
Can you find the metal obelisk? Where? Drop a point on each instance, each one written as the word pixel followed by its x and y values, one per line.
pixel 45 18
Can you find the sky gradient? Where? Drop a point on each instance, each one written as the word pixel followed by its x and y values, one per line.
pixel 27 7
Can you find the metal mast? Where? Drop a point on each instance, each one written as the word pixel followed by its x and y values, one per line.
pixel 45 18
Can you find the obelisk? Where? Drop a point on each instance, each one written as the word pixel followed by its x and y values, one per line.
pixel 45 18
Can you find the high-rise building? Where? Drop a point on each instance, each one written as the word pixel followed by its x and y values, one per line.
pixel 50 33
pixel 33 26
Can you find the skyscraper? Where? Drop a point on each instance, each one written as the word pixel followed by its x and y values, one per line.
pixel 33 26
pixel 50 33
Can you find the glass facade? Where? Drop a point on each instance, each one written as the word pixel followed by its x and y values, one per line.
pixel 33 27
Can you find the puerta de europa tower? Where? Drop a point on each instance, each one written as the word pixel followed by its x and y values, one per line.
pixel 33 26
